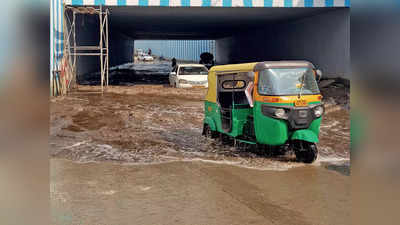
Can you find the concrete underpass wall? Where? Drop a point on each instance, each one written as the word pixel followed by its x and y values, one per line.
pixel 87 34
pixel 121 48
pixel 87 31
pixel 323 39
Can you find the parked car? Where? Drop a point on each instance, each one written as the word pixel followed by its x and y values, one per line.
pixel 148 58
pixel 189 75
pixel 145 57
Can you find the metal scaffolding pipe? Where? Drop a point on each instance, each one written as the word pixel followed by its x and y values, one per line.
pixel 73 50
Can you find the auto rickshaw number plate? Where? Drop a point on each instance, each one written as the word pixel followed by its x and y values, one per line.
pixel 300 103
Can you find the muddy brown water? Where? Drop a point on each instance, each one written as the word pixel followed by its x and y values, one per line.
pixel 196 193
pixel 162 124
pixel 135 155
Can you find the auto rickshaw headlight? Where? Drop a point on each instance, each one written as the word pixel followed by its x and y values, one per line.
pixel 183 81
pixel 318 111
pixel 280 113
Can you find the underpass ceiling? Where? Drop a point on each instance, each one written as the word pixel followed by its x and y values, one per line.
pixel 199 22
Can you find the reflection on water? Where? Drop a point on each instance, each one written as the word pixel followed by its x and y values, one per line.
pixel 132 73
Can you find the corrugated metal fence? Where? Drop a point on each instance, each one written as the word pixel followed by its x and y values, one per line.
pixel 216 3
pixel 188 50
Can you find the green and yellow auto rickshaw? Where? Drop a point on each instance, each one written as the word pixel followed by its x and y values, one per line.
pixel 267 104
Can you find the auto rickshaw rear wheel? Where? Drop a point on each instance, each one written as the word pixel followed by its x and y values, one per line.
pixel 305 152
pixel 208 132
pixel 225 139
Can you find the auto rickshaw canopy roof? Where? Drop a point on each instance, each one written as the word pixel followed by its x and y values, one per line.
pixel 246 67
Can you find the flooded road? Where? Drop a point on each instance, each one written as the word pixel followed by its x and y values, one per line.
pixel 196 193
pixel 136 153
pixel 152 124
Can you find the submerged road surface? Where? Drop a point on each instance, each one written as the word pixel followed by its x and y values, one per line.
pixel 196 193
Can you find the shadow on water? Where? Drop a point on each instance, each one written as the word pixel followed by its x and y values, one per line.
pixel 130 74
pixel 342 168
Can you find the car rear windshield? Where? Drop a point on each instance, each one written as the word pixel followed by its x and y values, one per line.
pixel 193 70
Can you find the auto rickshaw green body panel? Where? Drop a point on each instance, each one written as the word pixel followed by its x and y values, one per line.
pixel 269 131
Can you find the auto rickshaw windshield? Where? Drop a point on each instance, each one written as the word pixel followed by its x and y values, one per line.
pixel 287 81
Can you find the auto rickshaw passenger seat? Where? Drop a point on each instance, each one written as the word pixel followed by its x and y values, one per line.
pixel 227 99
pixel 240 98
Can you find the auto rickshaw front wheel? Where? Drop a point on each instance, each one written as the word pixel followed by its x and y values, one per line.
pixel 306 152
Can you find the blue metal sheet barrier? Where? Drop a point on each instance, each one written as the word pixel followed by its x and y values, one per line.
pixel 209 3
pixel 189 50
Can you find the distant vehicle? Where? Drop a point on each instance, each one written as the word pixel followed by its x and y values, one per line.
pixel 139 52
pixel 148 58
pixel 145 57
pixel 189 75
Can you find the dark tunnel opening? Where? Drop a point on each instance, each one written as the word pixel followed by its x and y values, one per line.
pixel 319 35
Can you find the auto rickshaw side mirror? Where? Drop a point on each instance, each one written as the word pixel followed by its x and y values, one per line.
pixel 318 75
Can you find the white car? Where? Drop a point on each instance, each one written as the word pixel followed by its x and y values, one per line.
pixel 148 58
pixel 189 75
pixel 145 57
